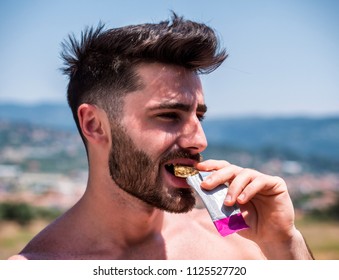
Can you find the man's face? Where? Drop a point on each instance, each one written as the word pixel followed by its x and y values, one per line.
pixel 160 127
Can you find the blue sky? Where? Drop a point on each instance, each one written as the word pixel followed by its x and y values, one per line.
pixel 283 55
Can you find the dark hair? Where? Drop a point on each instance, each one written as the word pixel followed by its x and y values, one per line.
pixel 101 65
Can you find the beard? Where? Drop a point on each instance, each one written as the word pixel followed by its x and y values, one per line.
pixel 138 174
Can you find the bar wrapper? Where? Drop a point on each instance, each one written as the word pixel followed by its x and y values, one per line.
pixel 227 219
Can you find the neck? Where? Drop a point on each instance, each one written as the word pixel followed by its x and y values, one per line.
pixel 119 216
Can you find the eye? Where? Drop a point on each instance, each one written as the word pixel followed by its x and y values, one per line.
pixel 169 116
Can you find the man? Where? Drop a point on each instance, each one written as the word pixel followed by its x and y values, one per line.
pixel 137 100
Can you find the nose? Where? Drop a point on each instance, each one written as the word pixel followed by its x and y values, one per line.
pixel 192 136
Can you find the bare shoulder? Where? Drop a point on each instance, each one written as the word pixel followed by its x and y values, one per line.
pixel 40 244
pixel 49 243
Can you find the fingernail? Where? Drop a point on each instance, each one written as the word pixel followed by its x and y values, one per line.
pixel 241 197
pixel 228 198
pixel 207 180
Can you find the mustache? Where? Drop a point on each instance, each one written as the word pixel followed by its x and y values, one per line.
pixel 180 154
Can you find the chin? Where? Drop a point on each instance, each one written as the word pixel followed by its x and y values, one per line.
pixel 182 204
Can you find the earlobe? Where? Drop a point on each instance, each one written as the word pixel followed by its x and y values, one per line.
pixel 92 123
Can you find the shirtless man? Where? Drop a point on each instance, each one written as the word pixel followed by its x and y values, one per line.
pixel 137 100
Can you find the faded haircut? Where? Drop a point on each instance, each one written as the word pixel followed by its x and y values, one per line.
pixel 101 66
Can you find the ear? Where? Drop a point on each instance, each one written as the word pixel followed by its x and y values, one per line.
pixel 94 123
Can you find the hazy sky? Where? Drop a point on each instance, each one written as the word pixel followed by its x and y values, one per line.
pixel 283 55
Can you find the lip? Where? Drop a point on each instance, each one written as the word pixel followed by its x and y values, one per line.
pixel 182 161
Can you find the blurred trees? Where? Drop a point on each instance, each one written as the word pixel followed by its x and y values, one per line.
pixel 24 213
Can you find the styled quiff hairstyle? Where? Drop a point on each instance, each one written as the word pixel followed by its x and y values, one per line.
pixel 101 66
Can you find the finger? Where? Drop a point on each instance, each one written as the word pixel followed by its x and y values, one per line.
pixel 221 176
pixel 253 188
pixel 250 183
pixel 209 165
pixel 264 184
pixel 238 184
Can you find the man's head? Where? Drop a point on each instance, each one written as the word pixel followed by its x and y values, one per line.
pixel 145 78
pixel 102 66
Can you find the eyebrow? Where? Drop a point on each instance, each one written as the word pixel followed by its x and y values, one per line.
pixel 202 108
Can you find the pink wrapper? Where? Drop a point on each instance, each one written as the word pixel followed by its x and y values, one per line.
pixel 230 224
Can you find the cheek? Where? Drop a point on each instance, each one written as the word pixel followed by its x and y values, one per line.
pixel 149 138
pixel 155 142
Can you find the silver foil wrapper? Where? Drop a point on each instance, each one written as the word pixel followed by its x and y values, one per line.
pixel 227 219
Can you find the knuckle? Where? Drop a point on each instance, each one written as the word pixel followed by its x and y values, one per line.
pixel 279 180
pixel 223 163
pixel 250 172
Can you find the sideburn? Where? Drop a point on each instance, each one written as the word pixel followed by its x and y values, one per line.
pixel 122 162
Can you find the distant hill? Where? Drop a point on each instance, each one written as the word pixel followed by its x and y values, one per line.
pixel 312 138
pixel 304 136
pixel 50 115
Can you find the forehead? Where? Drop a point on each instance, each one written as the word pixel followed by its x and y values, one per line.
pixel 162 82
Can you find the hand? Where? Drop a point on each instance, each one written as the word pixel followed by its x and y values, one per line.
pixel 264 200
